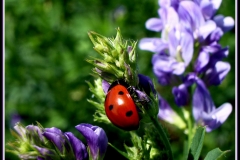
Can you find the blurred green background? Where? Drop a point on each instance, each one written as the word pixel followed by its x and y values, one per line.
pixel 46 44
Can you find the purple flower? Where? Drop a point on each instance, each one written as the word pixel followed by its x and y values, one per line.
pixel 205 112
pixel 56 136
pixel 96 139
pixel 165 68
pixel 184 26
pixel 78 147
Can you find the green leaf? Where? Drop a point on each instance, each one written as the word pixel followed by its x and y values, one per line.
pixel 215 154
pixel 197 144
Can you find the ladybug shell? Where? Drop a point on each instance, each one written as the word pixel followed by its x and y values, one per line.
pixel 120 108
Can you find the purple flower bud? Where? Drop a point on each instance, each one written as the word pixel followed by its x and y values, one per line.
pixel 181 95
pixel 220 53
pixel 225 23
pixel 146 84
pixel 105 86
pixel 129 49
pixel 142 97
pixel 96 139
pixel 78 147
pixel 56 136
pixel 216 74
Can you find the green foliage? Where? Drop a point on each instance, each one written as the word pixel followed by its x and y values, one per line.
pixel 197 143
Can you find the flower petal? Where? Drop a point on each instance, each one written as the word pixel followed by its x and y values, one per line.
pixel 56 136
pixel 173 42
pixel 164 3
pixel 207 9
pixel 186 44
pixel 78 147
pixel 218 117
pixel 190 15
pixel 201 61
pixel 165 111
pixel 154 24
pixel 152 44
pixel 96 139
pixel 216 4
pixel 225 23
pixel 207 28
pixel 215 35
pixel 202 101
pixel 214 76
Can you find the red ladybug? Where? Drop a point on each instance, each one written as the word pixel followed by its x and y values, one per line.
pixel 120 107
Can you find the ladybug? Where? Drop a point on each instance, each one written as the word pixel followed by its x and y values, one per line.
pixel 120 107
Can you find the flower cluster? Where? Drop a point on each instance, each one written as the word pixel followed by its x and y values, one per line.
pixel 35 142
pixel 188 54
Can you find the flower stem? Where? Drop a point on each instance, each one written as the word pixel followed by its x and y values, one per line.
pixel 163 137
pixel 189 124
pixel 189 132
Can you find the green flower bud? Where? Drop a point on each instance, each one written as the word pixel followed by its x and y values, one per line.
pixel 119 58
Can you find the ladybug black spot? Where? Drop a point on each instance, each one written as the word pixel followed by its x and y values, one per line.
pixel 129 113
pixel 120 93
pixel 110 107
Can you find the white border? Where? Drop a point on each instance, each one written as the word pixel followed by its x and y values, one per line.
pixel 236 84
pixel 3 78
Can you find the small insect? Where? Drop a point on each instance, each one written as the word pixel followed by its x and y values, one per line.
pixel 120 107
